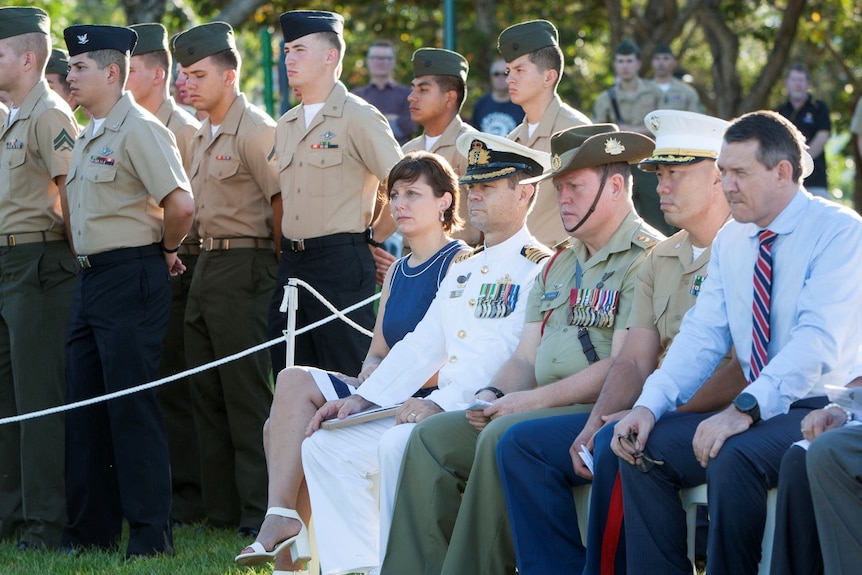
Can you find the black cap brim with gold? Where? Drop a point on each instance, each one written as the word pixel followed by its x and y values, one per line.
pixel 491 157
pixel 591 146
pixel 84 38
pixel 202 41
pixel 527 37
pixel 17 20
pixel 439 62
pixel 298 23
pixel 152 37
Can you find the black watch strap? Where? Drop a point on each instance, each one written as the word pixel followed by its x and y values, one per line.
pixel 492 389
pixel 369 239
pixel 167 251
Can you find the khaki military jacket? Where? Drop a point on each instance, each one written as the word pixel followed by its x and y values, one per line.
pixel 329 172
pixel 679 96
pixel 233 174
pixel 181 124
pixel 633 106
pixel 118 178
pixel 544 221
pixel 37 148
pixel 603 303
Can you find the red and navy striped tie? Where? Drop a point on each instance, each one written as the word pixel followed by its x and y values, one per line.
pixel 760 304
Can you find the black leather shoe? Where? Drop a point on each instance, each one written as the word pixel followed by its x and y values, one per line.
pixel 248 532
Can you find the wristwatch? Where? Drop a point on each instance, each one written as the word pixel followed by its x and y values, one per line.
pixel 747 403
pixel 369 239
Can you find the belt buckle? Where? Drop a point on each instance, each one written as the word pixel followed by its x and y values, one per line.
pixel 297 245
pixel 207 244
pixel 84 262
pixel 10 239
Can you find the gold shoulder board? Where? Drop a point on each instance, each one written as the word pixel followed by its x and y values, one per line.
pixel 536 254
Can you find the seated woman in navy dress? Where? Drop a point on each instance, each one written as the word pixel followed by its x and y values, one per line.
pixel 422 191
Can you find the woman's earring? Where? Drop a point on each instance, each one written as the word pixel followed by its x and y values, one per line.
pixel 442 216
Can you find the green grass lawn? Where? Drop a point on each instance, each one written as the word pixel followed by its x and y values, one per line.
pixel 199 551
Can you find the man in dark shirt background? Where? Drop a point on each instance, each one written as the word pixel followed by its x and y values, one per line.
pixel 384 93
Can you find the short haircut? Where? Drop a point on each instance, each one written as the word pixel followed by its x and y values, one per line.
pixel 438 174
pixel 778 139
pixel 108 56
pixel 227 60
pixel 333 40
pixel 514 181
pixel 798 67
pixel 158 59
pixel 36 42
pixel 382 44
pixel 548 58
pixel 452 83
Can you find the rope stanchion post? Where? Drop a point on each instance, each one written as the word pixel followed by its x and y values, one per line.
pixel 291 301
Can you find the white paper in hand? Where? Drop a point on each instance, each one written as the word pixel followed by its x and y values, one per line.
pixel 586 457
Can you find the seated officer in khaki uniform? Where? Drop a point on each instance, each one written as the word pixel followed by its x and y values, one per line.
pixel 237 203
pixel 436 96
pixel 130 207
pixel 575 323
pixel 38 281
pixel 149 73
pixel 535 68
pixel 332 152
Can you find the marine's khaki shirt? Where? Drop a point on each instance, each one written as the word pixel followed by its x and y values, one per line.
pixel 118 178
pixel 634 106
pixel 613 268
pixel 445 147
pixel 329 173
pixel 181 124
pixel 679 96
pixel 233 174
pixel 544 221
pixel 667 286
pixel 37 148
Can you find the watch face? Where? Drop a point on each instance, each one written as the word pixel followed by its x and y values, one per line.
pixel 745 402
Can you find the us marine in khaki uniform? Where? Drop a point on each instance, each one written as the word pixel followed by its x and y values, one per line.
pixel 38 280
pixel 130 206
pixel 575 323
pixel 238 208
pixel 149 74
pixel 333 150
pixel 535 68
pixel 437 94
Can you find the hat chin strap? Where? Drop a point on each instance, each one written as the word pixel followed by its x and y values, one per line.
pixel 595 202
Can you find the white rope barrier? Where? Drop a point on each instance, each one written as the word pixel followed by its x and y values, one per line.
pixel 292 283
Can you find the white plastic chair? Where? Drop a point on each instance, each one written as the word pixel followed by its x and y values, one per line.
pixel 693 496
pixel 582 504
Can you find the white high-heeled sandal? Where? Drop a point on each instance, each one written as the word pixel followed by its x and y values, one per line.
pixel 300 548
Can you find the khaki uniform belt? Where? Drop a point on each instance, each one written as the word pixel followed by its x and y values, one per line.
pixel 12 240
pixel 213 244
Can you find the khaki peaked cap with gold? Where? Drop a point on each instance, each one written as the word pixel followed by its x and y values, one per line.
pixel 197 43
pixel 683 138
pixel 491 157
pixel 593 145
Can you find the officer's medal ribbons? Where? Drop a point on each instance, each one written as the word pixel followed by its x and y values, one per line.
pixel 497 300
pixel 593 307
pixel 694 288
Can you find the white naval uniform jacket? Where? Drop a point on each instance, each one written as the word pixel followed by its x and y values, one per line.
pixel 465 349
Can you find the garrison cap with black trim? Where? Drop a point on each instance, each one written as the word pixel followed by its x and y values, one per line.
pixel 683 138
pixel 439 62
pixel 593 145
pixel 491 157
pixel 90 37
pixel 526 37
pixel 58 63
pixel 197 43
pixel 298 23
pixel 151 38
pixel 17 20
pixel 627 47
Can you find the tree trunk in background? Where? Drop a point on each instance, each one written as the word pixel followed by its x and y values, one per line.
pixel 143 11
